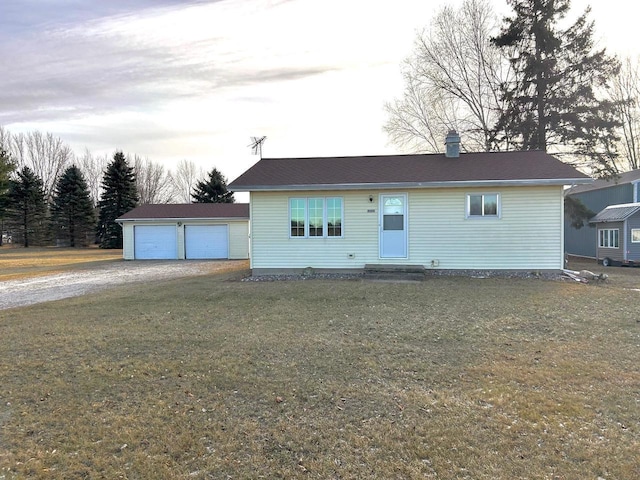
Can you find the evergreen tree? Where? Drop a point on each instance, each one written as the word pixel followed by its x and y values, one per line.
pixel 6 169
pixel 212 190
pixel 72 210
pixel 118 197
pixel 553 102
pixel 27 212
pixel 577 212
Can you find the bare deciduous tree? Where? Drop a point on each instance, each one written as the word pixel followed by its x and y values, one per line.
pixel 93 169
pixel 153 182
pixel 625 92
pixel 45 154
pixel 452 81
pixel 185 177
pixel 5 139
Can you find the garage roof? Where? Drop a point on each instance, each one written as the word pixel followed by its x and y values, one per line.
pixel 187 211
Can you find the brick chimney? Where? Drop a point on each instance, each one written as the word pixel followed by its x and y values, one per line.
pixel 452 143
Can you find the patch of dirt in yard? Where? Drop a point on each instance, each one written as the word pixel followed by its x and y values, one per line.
pixel 617 277
pixel 18 293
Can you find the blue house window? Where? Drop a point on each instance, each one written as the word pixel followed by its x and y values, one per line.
pixel 609 238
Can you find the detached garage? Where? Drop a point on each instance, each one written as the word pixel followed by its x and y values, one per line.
pixel 186 231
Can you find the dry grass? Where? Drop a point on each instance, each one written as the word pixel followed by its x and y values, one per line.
pixel 210 377
pixel 19 263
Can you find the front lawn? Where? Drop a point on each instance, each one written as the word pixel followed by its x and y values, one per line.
pixel 211 377
pixel 18 263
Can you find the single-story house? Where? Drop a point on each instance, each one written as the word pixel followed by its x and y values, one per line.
pixel 619 189
pixel 186 231
pixel 618 234
pixel 494 210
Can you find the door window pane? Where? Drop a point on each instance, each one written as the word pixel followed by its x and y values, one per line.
pixel 393 206
pixel 393 222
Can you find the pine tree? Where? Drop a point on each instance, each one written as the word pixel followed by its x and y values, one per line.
pixel 213 189
pixel 6 169
pixel 72 210
pixel 27 212
pixel 118 197
pixel 553 102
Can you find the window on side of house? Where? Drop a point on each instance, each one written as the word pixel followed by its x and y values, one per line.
pixel 334 217
pixel 483 205
pixel 297 216
pixel 315 207
pixel 609 238
pixel 635 235
pixel 317 217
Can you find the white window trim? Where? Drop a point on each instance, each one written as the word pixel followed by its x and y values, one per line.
pixel 609 230
pixel 635 230
pixel 325 226
pixel 467 212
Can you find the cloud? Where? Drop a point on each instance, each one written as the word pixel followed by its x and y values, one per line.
pixel 134 59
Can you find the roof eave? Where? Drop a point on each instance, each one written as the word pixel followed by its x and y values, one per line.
pixel 607 220
pixel 413 185
pixel 176 219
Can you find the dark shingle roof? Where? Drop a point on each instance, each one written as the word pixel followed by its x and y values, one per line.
pixel 616 213
pixel 188 210
pixel 407 170
pixel 621 179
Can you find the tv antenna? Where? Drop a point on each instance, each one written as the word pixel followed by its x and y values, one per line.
pixel 256 145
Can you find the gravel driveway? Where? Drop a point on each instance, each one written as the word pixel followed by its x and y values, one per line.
pixel 18 293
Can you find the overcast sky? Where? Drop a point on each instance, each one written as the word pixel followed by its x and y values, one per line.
pixel 172 80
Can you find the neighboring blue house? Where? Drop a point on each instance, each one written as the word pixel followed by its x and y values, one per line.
pixel 618 234
pixel 597 196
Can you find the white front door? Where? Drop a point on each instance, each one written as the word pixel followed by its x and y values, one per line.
pixel 393 226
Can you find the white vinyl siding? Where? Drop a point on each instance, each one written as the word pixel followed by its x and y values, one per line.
pixel 528 235
pixel 272 246
pixel 238 240
pixel 127 241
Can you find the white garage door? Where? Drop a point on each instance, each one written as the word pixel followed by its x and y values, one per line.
pixel 206 241
pixel 155 242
